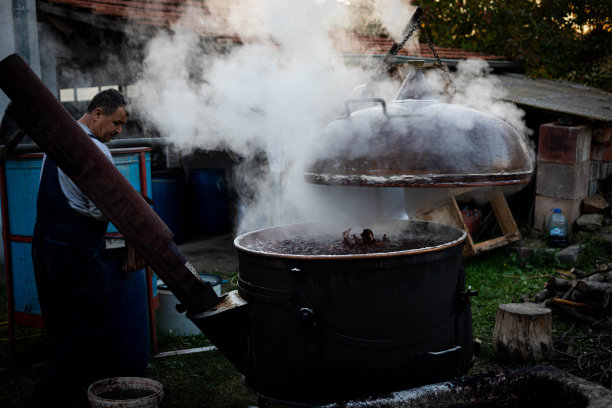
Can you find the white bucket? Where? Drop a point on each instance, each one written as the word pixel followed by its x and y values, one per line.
pixel 125 392
pixel 168 320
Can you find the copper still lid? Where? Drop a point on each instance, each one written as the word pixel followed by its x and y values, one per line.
pixel 419 143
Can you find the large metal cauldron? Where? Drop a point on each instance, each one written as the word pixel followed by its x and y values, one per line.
pixel 328 328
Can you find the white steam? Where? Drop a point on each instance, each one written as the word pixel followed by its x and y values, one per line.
pixel 272 94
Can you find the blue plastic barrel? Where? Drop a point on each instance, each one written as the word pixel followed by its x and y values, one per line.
pixel 172 202
pixel 210 198
pixel 18 195
pixel 22 176
pixel 129 319
pixel 128 161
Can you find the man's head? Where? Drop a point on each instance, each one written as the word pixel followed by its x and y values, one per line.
pixel 106 114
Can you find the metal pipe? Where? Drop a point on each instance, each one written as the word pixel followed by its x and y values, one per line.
pixel 113 144
pixel 38 112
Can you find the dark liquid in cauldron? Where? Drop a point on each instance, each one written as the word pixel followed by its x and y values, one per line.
pixel 333 246
pixel 127 394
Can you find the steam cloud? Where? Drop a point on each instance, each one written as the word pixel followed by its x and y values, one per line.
pixel 270 96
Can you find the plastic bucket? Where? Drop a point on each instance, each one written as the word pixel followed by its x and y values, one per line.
pixel 125 392
pixel 168 320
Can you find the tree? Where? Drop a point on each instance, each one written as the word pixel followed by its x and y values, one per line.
pixel 561 39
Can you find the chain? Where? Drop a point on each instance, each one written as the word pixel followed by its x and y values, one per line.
pixel 442 66
pixel 407 37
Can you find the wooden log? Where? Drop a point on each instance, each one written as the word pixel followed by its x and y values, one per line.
pixel 565 302
pixel 522 332
pixel 542 295
pixel 591 286
pixel 601 277
pixel 558 284
pixel 575 316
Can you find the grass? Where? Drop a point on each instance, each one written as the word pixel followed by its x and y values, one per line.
pixel 207 379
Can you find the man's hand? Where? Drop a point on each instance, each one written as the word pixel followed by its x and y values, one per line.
pixel 133 261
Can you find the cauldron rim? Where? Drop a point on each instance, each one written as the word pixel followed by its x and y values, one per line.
pixel 417 251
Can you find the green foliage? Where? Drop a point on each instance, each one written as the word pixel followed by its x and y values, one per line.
pixel 559 39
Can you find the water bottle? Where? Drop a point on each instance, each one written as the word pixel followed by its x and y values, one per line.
pixel 557 228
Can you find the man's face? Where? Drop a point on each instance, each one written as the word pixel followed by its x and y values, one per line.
pixel 106 127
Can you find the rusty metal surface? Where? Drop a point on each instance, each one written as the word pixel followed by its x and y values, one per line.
pixel 328 329
pixel 419 143
pixel 557 96
pixel 46 121
pixel 538 386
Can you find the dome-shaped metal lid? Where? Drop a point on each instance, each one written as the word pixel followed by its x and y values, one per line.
pixel 419 143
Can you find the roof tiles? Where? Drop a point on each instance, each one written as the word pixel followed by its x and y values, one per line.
pixel 163 13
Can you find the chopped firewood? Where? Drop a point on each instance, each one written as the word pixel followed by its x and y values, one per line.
pixel 587 286
pixel 565 302
pixel 602 267
pixel 574 314
pixel 542 295
pixel 577 272
pixel 558 284
pixel 566 274
pixel 600 277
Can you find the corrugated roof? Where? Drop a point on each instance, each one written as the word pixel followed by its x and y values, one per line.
pixel 560 97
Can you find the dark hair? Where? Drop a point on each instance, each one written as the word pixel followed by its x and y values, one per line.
pixel 108 100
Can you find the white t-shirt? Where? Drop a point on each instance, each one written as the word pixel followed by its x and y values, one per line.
pixel 77 200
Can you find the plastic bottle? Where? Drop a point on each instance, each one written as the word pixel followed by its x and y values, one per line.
pixel 557 228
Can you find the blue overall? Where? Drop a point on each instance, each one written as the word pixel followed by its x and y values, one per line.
pixel 73 289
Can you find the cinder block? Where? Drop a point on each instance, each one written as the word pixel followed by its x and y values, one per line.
pixel 602 134
pixel 566 181
pixel 543 205
pixel 598 151
pixel 564 144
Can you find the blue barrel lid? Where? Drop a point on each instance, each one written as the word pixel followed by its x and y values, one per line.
pixel 556 210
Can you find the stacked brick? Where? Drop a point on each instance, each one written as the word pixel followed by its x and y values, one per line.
pixel 563 171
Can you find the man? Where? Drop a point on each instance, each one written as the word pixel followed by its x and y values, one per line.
pixel 71 274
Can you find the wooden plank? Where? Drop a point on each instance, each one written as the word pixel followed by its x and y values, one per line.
pixel 494 243
pixel 504 215
pixel 446 210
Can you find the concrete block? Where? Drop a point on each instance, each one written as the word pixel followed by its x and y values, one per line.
pixel 590 222
pixel 564 144
pixel 598 151
pixel 567 181
pixel 543 205
pixel 569 255
pixel 602 134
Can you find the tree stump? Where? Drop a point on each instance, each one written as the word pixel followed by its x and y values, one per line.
pixel 523 332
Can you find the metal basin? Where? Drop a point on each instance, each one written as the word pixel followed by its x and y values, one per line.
pixel 327 328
